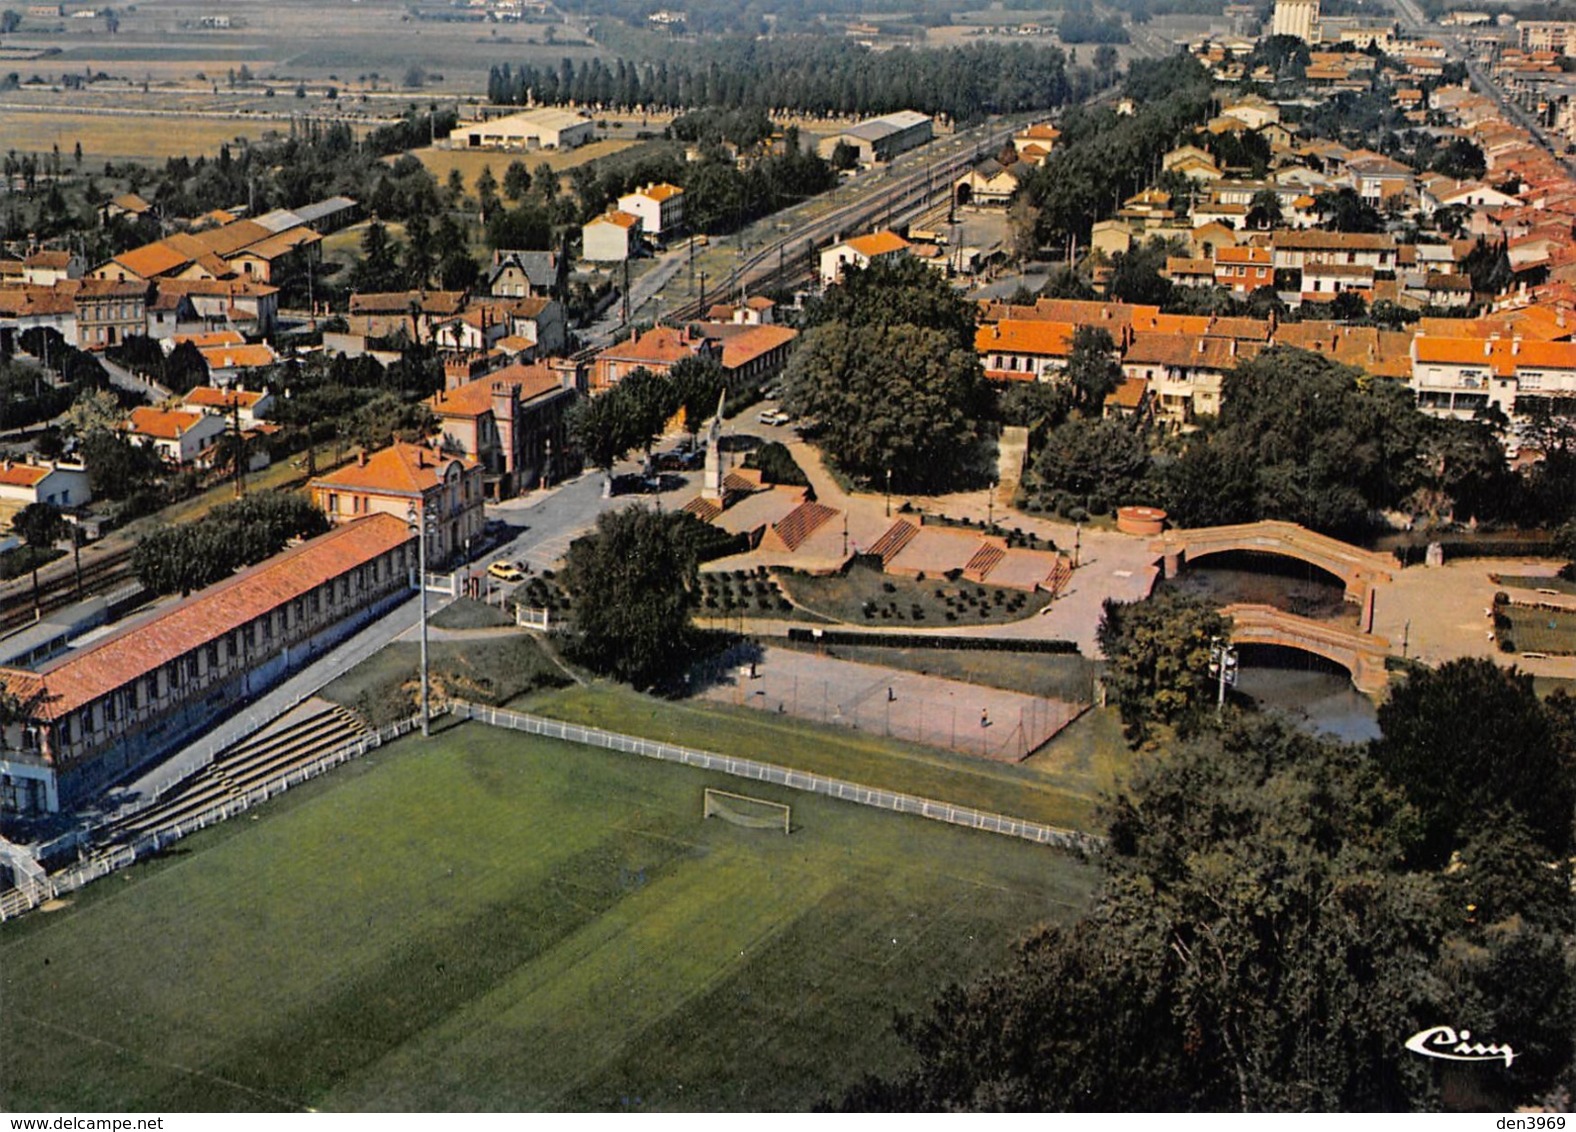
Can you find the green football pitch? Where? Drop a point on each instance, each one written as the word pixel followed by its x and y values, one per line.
pixel 491 921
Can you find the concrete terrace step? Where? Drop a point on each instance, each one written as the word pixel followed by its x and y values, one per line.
pixel 247 766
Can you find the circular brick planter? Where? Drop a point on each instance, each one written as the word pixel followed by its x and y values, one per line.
pixel 1140 520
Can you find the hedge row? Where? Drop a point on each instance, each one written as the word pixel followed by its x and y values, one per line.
pixel 1480 548
pixel 930 641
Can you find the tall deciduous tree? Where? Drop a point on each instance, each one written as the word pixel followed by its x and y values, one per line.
pixel 1300 438
pixel 900 398
pixel 1470 739
pixel 379 269
pixel 904 291
pixel 1096 464
pixel 1092 368
pixel 633 582
pixel 1159 654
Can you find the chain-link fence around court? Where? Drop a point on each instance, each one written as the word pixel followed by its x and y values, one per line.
pixel 911 706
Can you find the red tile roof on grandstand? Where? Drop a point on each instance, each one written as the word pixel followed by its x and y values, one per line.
pixel 802 522
pixel 143 646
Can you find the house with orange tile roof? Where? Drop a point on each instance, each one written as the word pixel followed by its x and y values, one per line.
pixel 1459 377
pixel 127 204
pixel 251 406
pixel 105 709
pixel 46 267
pixel 1295 249
pixel 660 208
pixel 178 435
pixel 1321 282
pixel 142 265
pixel 273 258
pixel 1024 350
pixel 751 354
pixel 1184 374
pixel 230 365
pixel 246 305
pixel 447 489
pixel 25 482
pixel 512 422
pixel 656 350
pixel 1243 270
pixel 861 252
pixel 612 237
pixel 1041 135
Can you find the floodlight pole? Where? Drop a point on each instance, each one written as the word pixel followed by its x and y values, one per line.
pixel 1222 666
pixel 418 519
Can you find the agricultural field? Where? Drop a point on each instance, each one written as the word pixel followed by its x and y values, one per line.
pixel 490 921
pixel 128 137
pixel 161 40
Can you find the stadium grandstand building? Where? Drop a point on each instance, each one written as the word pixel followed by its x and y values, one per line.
pixel 93 715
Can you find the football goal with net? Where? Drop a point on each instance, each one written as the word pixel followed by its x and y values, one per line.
pixel 751 813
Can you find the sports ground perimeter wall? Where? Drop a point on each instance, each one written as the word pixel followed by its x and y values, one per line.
pixel 782 776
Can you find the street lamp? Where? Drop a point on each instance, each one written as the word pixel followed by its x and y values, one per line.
pixel 417 520
pixel 1222 666
pixel 1077 543
pixel 889 492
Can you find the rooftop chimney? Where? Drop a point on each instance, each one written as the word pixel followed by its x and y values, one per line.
pixel 361 458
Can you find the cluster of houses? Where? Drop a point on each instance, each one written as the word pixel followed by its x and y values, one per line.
pixel 1174 366
pixel 222 273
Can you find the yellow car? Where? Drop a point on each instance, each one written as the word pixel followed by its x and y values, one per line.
pixel 506 572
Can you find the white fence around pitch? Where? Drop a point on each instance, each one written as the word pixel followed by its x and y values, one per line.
pixel 782 776
pixel 34 891
pixel 532 617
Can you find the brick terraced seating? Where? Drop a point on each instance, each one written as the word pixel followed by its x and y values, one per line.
pixel 985 559
pixel 799 524
pixel 888 545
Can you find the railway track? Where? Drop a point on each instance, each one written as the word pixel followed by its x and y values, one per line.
pixel 782 260
pixel 17 610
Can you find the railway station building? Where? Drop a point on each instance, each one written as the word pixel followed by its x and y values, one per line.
pixel 95 714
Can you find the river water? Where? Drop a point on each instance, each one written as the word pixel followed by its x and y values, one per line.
pixel 1312 692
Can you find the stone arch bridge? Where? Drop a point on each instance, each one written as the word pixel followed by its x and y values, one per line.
pixel 1361 654
pixel 1359 570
